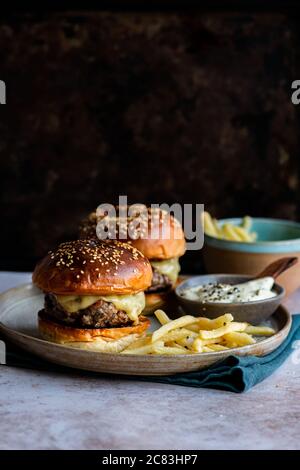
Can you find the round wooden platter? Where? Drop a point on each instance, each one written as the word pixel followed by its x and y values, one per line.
pixel 18 322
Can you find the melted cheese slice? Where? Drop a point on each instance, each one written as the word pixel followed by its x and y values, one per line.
pixel 168 267
pixel 132 304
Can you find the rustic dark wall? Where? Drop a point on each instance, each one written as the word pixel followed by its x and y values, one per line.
pixel 164 107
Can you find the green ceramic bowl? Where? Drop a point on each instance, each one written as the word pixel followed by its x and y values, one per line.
pixel 275 239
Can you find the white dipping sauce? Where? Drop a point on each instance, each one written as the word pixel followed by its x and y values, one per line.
pixel 258 289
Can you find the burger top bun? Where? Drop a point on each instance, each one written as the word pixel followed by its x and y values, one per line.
pixel 165 238
pixel 93 267
pixel 161 236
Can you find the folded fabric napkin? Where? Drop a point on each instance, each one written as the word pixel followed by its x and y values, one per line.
pixel 234 374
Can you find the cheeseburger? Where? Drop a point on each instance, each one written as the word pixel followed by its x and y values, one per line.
pixel 94 294
pixel 159 237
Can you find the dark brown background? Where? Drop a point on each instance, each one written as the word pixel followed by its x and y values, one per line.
pixel 161 106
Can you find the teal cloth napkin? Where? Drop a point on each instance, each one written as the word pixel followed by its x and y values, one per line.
pixel 234 374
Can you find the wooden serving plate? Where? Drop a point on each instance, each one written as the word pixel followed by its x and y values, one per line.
pixel 18 322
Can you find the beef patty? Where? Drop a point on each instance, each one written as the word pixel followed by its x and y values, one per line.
pixel 160 282
pixel 101 314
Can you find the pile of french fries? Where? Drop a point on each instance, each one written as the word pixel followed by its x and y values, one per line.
pixel 228 231
pixel 190 335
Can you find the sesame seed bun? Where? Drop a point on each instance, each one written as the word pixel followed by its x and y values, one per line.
pixel 162 236
pixel 93 267
pixel 166 241
pixel 101 339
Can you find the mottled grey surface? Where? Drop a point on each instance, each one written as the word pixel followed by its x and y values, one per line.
pixel 40 410
pixel 48 411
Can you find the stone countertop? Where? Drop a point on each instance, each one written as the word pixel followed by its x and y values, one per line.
pixel 43 410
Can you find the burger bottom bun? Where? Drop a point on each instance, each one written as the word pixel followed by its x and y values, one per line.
pixel 102 345
pixel 91 339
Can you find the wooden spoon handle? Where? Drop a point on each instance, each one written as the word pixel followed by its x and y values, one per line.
pixel 278 267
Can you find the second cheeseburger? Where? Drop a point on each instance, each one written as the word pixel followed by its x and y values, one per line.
pixel 159 237
pixel 94 294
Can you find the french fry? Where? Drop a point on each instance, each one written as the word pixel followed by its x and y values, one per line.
pixel 197 345
pixel 259 330
pixel 140 342
pixel 223 330
pixel 179 333
pixel 172 325
pixel 230 233
pixel 203 323
pixel 243 234
pixel 217 322
pixel 218 229
pixel 190 335
pixel 147 349
pixel 161 349
pixel 194 328
pixel 236 339
pixel 162 317
pixel 209 227
pixel 208 342
pixel 247 223
pixel 174 344
pixel 218 347
pixel 186 342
